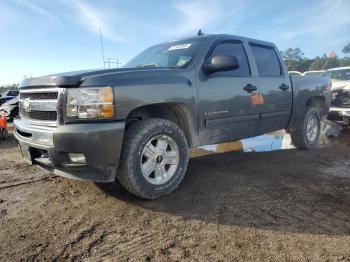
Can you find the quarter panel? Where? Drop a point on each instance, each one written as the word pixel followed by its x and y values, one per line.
pixel 305 88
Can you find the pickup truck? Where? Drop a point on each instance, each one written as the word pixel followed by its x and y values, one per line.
pixel 137 123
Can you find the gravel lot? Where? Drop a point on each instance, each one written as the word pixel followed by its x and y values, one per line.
pixel 274 206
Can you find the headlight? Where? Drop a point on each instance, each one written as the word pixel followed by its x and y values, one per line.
pixel 90 103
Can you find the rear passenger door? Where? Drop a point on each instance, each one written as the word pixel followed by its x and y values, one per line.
pixel 274 88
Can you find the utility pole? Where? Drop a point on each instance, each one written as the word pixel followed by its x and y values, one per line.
pixel 110 61
pixel 118 63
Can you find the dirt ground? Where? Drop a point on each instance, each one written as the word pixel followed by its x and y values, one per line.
pixel 277 206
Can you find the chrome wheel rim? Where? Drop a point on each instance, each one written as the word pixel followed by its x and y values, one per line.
pixel 159 159
pixel 312 129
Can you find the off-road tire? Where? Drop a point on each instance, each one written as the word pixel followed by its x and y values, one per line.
pixel 129 172
pixel 299 132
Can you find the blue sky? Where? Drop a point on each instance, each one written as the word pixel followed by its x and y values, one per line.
pixel 40 37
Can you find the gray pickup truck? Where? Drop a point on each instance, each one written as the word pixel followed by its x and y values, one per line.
pixel 136 124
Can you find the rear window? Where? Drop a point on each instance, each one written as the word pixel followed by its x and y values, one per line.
pixel 266 60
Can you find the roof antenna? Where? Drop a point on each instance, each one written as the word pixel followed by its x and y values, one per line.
pixel 103 52
pixel 200 33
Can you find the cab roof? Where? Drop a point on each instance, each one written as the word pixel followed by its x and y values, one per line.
pixel 220 36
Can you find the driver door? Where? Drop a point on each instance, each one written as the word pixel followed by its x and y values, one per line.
pixel 228 101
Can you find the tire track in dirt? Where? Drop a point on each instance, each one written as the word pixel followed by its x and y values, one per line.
pixel 82 236
pixel 8 185
pixel 17 174
pixel 142 245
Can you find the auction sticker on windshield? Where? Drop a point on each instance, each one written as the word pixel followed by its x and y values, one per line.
pixel 176 47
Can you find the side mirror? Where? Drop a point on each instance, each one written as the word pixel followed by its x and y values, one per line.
pixel 221 63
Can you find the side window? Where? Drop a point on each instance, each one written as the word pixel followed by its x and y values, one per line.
pixel 236 49
pixel 266 60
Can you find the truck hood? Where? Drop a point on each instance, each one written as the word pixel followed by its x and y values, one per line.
pixel 75 78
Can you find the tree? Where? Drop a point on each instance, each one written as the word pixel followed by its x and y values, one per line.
pixel 294 59
pixel 319 63
pixel 293 54
pixel 346 49
pixel 345 61
pixel 7 87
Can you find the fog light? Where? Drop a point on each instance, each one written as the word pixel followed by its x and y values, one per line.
pixel 76 158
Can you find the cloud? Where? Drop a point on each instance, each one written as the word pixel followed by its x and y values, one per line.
pixel 319 21
pixel 195 16
pixel 208 16
pixel 43 13
pixel 93 17
pixel 316 28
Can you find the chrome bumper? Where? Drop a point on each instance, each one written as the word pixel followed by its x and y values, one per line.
pixel 341 111
pixel 36 136
pixel 100 143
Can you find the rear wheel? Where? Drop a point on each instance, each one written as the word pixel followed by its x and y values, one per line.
pixel 307 132
pixel 154 158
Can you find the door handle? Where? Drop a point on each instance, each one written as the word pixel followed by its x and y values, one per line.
pixel 250 88
pixel 284 87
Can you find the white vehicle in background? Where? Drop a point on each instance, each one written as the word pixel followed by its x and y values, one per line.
pixel 295 73
pixel 12 93
pixel 340 106
pixel 313 73
pixel 10 108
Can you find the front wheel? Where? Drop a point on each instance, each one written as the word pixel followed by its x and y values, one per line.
pixel 307 132
pixel 154 158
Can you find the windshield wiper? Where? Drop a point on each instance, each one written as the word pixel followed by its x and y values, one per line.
pixel 148 65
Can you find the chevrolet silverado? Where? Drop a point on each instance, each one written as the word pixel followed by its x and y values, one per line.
pixel 137 123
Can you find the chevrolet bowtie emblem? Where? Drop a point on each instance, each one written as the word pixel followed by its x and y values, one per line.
pixel 26 105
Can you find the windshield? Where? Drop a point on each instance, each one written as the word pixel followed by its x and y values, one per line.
pixel 341 74
pixel 13 93
pixel 175 54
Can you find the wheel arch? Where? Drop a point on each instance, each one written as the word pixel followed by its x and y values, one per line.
pixel 178 113
pixel 319 102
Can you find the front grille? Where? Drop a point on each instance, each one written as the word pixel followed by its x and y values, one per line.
pixel 40 115
pixel 40 96
pixel 39 105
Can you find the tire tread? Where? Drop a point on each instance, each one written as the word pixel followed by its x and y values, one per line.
pixel 134 134
pixel 297 133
